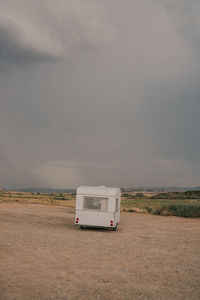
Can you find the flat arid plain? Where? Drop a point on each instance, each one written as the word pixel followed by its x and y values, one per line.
pixel 43 255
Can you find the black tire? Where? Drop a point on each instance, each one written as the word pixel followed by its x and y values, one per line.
pixel 115 228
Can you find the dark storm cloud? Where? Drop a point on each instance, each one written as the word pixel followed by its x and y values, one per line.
pixel 12 51
pixel 24 37
pixel 117 105
pixel 49 30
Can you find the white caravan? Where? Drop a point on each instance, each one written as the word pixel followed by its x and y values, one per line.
pixel 97 206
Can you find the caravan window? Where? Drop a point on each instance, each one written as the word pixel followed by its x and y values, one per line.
pixel 96 203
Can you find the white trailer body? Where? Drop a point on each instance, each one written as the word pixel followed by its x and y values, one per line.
pixel 97 206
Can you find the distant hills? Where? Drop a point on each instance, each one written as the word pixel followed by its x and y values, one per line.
pixel 42 190
pixel 161 189
pixel 132 189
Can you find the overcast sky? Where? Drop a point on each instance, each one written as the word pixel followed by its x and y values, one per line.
pixel 99 93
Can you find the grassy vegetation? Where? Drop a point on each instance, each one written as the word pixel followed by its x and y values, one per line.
pixel 187 210
pixel 67 199
pixel 152 203
pixel 185 204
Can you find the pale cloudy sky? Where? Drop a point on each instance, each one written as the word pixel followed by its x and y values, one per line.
pixel 99 93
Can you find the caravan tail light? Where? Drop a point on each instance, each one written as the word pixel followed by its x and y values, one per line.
pixel 77 220
pixel 111 223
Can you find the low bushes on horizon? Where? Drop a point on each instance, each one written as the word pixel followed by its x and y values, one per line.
pixel 178 195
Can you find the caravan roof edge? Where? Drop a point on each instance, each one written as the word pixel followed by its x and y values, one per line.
pixel 98 190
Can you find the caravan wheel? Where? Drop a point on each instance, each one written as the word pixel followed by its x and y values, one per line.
pixel 115 228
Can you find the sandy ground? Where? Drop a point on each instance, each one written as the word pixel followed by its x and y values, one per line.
pixel 44 256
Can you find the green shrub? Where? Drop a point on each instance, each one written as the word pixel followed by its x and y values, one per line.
pixel 156 212
pixel 187 210
pixel 125 195
pixel 149 209
pixel 59 198
pixel 139 195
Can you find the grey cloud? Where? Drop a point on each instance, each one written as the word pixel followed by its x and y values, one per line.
pixel 12 51
pixel 121 110
pixel 49 30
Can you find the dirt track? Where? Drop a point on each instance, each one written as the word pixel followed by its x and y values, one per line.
pixel 44 256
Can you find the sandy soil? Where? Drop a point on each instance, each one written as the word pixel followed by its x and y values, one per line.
pixel 44 256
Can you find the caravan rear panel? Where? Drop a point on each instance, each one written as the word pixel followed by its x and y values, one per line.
pixel 97 206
